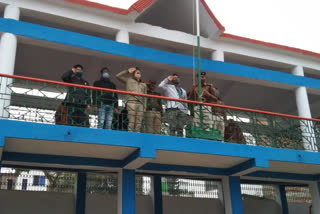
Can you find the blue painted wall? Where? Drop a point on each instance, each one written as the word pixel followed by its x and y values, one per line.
pixel 259 156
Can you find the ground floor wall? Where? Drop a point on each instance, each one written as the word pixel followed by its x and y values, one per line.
pixel 26 202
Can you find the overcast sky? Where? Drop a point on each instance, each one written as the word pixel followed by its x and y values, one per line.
pixel 287 22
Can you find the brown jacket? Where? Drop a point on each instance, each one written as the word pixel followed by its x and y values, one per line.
pixel 132 85
pixel 194 94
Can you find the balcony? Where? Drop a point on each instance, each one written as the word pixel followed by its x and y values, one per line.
pixel 43 101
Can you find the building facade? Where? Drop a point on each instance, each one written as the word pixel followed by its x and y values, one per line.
pixel 270 94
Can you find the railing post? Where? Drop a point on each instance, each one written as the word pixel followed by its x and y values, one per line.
pixel 8 48
pixel 81 187
pixel 302 101
pixel 126 192
pixel 281 198
pixel 232 195
pixel 157 194
pixel 315 194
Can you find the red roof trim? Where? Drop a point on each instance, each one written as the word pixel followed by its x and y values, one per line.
pixel 214 18
pixel 139 6
pixel 271 45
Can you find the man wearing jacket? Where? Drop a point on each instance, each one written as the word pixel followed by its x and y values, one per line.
pixel 154 108
pixel 176 112
pixel 208 95
pixel 78 99
pixel 105 102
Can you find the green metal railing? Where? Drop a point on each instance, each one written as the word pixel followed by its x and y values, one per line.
pixel 43 101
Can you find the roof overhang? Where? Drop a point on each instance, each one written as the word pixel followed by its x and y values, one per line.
pixel 169 14
pixel 181 16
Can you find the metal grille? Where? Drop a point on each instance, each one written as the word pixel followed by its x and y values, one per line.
pixel 298 194
pixel 37 180
pixel 181 187
pixel 143 185
pixel 255 191
pixel 103 183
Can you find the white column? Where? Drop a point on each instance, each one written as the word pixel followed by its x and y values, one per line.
pixel 8 43
pixel 123 36
pixel 301 95
pixel 8 48
pixel 303 107
pixel 217 55
pixel 315 194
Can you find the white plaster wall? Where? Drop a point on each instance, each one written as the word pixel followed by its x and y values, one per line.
pixel 262 207
pixel 17 202
pixel 99 204
pixel 179 205
pixel 298 208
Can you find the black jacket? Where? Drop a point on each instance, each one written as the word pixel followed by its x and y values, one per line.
pixel 75 95
pixel 100 97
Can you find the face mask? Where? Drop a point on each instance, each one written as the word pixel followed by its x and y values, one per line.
pixel 105 75
pixel 217 95
pixel 79 74
pixel 176 81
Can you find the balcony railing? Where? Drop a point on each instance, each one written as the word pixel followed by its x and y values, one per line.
pixel 44 101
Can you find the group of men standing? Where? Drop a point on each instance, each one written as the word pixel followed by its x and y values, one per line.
pixel 142 110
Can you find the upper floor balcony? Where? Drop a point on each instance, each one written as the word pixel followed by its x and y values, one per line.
pixel 51 102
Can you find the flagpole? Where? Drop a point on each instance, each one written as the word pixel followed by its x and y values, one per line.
pixel 198 48
pixel 199 65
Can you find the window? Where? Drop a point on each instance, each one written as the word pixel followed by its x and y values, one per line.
pixel 39 180
pixel 24 184
pixel 9 184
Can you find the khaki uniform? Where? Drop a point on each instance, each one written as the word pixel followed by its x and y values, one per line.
pixel 207 116
pixel 136 105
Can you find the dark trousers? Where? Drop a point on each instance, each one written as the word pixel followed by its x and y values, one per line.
pixel 77 115
pixel 177 120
